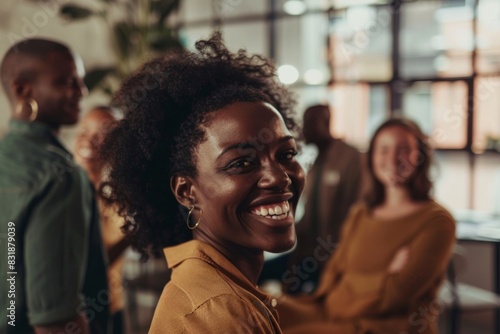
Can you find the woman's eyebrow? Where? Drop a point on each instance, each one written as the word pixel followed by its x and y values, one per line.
pixel 237 146
pixel 250 145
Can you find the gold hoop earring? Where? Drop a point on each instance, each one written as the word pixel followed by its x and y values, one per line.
pixel 34 109
pixel 192 227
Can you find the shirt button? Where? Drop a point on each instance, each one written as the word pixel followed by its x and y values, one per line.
pixel 274 302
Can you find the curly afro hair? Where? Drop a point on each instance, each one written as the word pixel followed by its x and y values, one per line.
pixel 165 103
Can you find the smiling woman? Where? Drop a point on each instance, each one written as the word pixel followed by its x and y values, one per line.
pixel 203 163
pixel 393 252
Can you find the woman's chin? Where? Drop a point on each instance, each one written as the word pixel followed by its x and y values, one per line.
pixel 281 247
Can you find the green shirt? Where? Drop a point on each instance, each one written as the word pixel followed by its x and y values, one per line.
pixel 47 224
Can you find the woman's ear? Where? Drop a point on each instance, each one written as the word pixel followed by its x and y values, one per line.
pixel 182 188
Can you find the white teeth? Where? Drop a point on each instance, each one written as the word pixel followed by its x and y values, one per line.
pixel 279 211
pixel 283 216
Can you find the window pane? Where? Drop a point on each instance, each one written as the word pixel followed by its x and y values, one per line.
pixel 487 183
pixel 235 8
pixel 440 109
pixel 356 111
pixel 451 170
pixel 488 30
pixel 288 42
pixel 360 43
pixel 195 10
pixel 300 42
pixel 347 3
pixel 487 114
pixel 252 36
pixel 307 96
pixel 325 4
pixel 379 108
pixel 189 35
pixel 436 40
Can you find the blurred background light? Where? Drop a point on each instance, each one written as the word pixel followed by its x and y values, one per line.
pixel 441 63
pixel 314 77
pixel 360 16
pixel 439 43
pixel 294 7
pixel 288 74
pixel 352 3
pixel 454 14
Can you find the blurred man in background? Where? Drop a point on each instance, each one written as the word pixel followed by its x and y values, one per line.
pixel 55 271
pixel 333 184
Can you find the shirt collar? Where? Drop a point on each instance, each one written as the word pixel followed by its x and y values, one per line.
pixel 36 130
pixel 199 250
pixel 25 127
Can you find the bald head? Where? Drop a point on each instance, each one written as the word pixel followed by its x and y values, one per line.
pixel 44 82
pixel 317 124
pixel 20 61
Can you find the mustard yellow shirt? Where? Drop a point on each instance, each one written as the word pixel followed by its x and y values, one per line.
pixel 208 294
pixel 356 293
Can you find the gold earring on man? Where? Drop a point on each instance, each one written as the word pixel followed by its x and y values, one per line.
pixel 34 109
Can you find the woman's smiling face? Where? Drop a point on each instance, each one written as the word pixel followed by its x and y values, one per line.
pixel 395 156
pixel 248 182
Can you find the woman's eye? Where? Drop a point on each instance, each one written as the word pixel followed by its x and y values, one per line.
pixel 289 155
pixel 239 164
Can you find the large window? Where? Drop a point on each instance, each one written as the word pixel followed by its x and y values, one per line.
pixel 434 61
pixel 438 59
pixel 360 39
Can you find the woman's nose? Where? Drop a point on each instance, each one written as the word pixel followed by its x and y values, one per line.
pixel 274 177
pixel 392 158
pixel 395 158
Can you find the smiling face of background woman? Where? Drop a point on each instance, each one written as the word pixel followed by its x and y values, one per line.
pixel 248 182
pixel 395 156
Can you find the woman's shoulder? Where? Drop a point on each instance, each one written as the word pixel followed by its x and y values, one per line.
pixel 436 210
pixel 435 216
pixel 207 302
pixel 223 313
pixel 358 211
pixel 200 280
pixel 358 208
